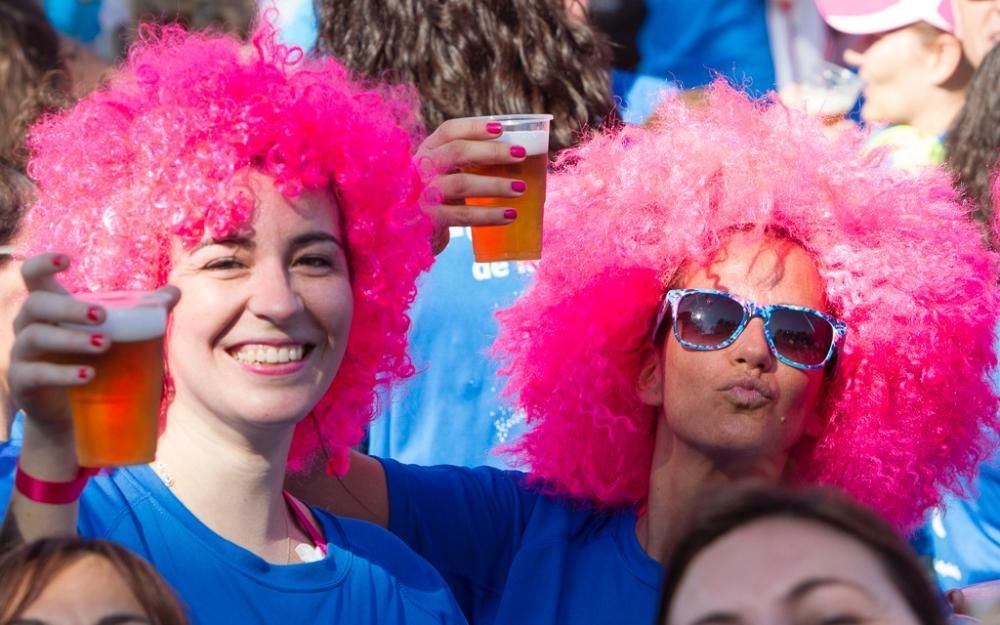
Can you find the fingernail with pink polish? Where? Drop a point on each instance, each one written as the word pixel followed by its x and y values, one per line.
pixel 94 314
pixel 494 128
pixel 97 340
pixel 83 374
pixel 518 151
pixel 510 213
pixel 518 186
pixel 58 260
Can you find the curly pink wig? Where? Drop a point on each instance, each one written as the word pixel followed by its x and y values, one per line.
pixel 909 405
pixel 153 157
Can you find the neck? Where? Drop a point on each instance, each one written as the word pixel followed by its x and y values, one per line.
pixel 230 480
pixel 938 111
pixel 679 477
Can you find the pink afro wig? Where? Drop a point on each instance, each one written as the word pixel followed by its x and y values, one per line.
pixel 909 405
pixel 151 158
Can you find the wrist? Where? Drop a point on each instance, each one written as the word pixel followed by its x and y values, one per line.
pixel 51 492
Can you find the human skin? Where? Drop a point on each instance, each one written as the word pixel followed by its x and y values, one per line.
pixel 12 293
pixel 814 574
pixel 89 591
pixel 708 433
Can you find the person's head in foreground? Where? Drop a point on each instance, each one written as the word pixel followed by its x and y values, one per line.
pixel 71 581
pixel 906 51
pixel 758 556
pixel 977 24
pixel 478 58
pixel 280 198
pixel 754 301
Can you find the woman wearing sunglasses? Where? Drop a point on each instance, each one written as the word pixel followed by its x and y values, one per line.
pixel 727 297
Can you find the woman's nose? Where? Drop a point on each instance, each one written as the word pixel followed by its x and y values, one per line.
pixel 751 347
pixel 273 295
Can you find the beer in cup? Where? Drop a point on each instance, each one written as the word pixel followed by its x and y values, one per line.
pixel 522 238
pixel 116 414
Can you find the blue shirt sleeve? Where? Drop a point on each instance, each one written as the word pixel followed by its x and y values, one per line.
pixel 468 523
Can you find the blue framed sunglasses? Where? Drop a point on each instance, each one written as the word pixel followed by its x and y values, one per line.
pixel 706 320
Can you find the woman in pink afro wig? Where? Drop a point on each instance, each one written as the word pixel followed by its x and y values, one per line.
pixel 152 159
pixel 881 388
pixel 280 201
pixel 908 403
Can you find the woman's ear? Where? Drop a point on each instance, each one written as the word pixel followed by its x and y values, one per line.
pixel 949 67
pixel 651 378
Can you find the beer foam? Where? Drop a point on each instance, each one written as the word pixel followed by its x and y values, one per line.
pixel 534 141
pixel 130 317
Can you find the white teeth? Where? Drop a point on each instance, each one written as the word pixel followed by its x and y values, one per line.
pixel 266 354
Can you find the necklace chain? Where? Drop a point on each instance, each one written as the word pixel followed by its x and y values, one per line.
pixel 160 468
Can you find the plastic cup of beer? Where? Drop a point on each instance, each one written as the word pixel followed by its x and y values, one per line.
pixel 830 91
pixel 522 238
pixel 116 414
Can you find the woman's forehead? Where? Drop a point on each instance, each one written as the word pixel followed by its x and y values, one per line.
pixel 760 267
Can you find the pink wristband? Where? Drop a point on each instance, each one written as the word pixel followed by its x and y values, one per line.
pixel 55 493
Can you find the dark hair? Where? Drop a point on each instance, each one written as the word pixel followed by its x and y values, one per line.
pixel 26 571
pixel 469 57
pixel 973 142
pixel 725 512
pixel 230 16
pixel 32 73
pixel 13 189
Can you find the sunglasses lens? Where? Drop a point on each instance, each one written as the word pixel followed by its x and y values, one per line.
pixel 801 336
pixel 707 320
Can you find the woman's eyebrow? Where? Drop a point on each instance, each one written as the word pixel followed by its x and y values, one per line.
pixel 719 618
pixel 316 236
pixel 814 583
pixel 234 241
pixel 123 619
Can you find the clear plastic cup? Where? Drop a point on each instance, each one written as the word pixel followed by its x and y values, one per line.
pixel 116 414
pixel 829 91
pixel 521 239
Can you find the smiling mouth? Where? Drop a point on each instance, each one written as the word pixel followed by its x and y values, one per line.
pixel 258 354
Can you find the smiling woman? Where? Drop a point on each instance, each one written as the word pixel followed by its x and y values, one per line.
pixel 280 201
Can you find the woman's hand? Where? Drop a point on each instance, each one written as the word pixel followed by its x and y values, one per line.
pixel 463 142
pixel 41 365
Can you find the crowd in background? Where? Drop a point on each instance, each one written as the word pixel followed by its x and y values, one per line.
pixel 548 441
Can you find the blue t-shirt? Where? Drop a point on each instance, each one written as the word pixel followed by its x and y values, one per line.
pixel 687 40
pixel 450 413
pixel 368 575
pixel 513 556
pixel 964 533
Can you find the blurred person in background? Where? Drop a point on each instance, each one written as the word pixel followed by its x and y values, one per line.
pixel 61 581
pixel 14 191
pixel 973 141
pixel 914 69
pixel 757 556
pixel 32 72
pixel 977 25
pixel 467 59
pixel 725 297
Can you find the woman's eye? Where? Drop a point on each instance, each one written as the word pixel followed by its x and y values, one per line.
pixel 841 619
pixel 316 262
pixel 222 264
